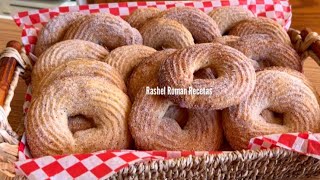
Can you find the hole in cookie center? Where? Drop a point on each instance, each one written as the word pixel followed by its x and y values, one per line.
pixel 80 122
pixel 180 115
pixel 206 73
pixel 272 117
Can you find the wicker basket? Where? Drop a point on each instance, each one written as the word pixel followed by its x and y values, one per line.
pixel 275 163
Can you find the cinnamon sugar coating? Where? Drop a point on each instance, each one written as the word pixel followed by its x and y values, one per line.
pixel 228 16
pixel 47 128
pixel 202 27
pixel 125 58
pixel 62 52
pixel 147 71
pixel 81 67
pixel 55 30
pixel 261 25
pixel 153 129
pixel 140 16
pixel 105 29
pixel 163 33
pixel 235 76
pixel 278 90
pixel 264 51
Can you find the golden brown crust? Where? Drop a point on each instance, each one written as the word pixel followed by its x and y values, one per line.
pixel 146 71
pixel 267 52
pixel 125 58
pixel 140 16
pixel 105 29
pixel 81 67
pixel 54 30
pixel 62 52
pixel 225 40
pixel 228 16
pixel 47 129
pixel 235 81
pixel 280 90
pixel 261 25
pixel 79 123
pixel 202 27
pixel 153 130
pixel 163 33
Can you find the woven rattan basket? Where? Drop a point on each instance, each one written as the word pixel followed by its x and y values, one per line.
pixel 275 163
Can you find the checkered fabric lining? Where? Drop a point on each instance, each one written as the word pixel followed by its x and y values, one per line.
pixel 104 163
pixel 306 143
pixel 32 21
pixel 99 165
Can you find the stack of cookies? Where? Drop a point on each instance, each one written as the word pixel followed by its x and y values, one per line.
pixel 178 79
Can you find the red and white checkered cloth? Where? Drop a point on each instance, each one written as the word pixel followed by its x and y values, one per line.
pixel 105 163
pixel 32 21
pixel 305 143
pixel 98 165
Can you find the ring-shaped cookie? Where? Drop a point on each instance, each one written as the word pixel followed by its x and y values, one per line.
pixel 55 30
pixel 163 33
pixel 140 16
pixel 47 129
pixel 146 71
pixel 267 52
pixel 62 52
pixel 151 129
pixel 261 25
pixel 235 76
pixel 228 16
pixel 278 90
pixel 125 58
pixel 104 29
pixel 202 27
pixel 81 67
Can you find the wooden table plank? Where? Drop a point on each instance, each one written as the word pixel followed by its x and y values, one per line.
pixel 306 14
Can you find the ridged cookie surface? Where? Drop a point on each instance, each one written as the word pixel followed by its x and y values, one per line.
pixel 55 29
pixel 202 27
pixel 153 129
pixel 125 58
pixel 62 52
pixel 267 52
pixel 82 67
pixel 105 29
pixel 140 16
pixel 261 25
pixel 228 16
pixel 234 83
pixel 47 128
pixel 282 92
pixel 163 33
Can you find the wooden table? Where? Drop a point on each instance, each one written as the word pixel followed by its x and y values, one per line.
pixel 305 14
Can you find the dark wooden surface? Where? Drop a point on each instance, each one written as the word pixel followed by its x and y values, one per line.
pixel 306 13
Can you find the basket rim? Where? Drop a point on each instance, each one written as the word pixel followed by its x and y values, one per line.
pixel 242 154
pixel 227 157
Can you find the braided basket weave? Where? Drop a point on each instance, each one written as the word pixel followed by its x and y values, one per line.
pixel 275 163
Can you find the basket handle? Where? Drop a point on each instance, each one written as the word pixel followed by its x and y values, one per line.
pixel 315 46
pixel 7 68
pixel 9 148
pixel 306 43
